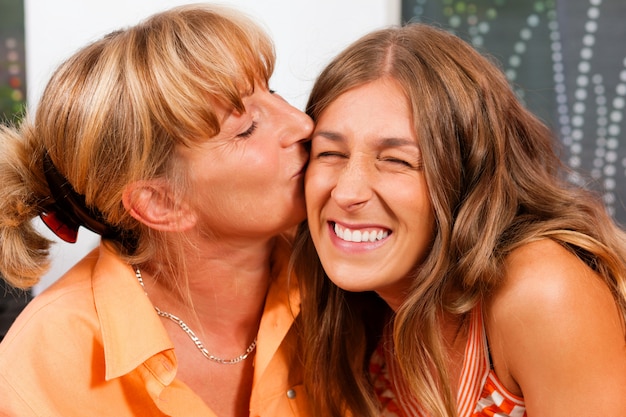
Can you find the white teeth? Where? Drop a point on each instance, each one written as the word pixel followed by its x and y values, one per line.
pixel 360 236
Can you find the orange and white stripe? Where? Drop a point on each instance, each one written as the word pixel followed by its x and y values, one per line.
pixel 480 395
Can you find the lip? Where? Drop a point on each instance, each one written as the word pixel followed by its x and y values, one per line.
pixel 355 247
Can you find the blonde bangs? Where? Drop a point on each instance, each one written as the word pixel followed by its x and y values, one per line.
pixel 203 56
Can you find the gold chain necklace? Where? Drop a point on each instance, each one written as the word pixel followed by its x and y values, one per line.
pixel 193 336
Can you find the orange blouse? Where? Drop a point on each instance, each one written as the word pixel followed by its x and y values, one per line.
pixel 93 345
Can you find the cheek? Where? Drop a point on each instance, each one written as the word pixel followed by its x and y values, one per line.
pixel 421 198
pixel 413 204
pixel 425 230
pixel 316 187
pixel 313 203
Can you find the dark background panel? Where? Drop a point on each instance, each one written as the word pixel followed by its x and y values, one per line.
pixel 12 60
pixel 12 103
pixel 566 60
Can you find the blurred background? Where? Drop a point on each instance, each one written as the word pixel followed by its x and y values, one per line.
pixel 566 59
pixel 12 60
pixel 12 104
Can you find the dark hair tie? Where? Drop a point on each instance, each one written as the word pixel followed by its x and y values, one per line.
pixel 69 211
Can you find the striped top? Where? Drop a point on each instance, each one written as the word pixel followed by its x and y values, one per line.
pixel 480 395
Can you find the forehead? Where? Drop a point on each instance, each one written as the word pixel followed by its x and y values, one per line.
pixel 378 111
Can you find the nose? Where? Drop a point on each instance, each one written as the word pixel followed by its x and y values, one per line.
pixel 353 188
pixel 298 126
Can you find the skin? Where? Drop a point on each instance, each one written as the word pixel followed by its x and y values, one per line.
pixel 365 177
pixel 247 180
pixel 556 336
pixel 554 331
pixel 247 187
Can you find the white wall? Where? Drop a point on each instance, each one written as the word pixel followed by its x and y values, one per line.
pixel 307 33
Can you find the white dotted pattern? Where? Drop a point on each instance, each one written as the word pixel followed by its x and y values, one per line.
pixel 586 105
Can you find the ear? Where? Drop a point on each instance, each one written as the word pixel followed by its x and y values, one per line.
pixel 151 202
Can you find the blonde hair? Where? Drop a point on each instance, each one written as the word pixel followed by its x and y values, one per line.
pixel 495 183
pixel 113 113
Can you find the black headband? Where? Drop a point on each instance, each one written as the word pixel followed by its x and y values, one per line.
pixel 69 211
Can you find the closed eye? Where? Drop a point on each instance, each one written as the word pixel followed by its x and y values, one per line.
pixel 330 154
pixel 249 132
pixel 398 161
pixel 412 164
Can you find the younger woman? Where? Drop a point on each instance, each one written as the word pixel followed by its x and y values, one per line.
pixel 431 188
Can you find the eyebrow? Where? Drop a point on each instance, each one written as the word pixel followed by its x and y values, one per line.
pixel 335 137
pixel 382 142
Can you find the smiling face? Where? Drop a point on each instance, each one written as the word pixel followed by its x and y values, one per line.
pixel 369 211
pixel 247 181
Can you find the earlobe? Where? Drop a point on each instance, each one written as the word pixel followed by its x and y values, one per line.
pixel 152 203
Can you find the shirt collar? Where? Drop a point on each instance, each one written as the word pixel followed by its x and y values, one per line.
pixel 131 330
pixel 282 305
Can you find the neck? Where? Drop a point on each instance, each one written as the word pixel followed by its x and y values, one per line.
pixel 215 278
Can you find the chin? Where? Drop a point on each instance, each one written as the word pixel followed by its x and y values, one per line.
pixel 350 285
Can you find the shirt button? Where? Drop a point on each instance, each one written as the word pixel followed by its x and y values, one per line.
pixel 291 394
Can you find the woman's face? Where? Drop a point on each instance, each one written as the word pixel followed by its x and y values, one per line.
pixel 247 181
pixel 368 206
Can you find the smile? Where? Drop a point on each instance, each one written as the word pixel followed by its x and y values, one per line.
pixel 367 235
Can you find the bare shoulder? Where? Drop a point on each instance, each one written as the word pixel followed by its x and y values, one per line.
pixel 545 283
pixel 547 274
pixel 554 322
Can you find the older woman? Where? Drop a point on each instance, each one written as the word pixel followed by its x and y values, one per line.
pixel 165 139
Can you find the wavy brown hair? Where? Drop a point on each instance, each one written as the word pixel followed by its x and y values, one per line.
pixel 495 183
pixel 114 112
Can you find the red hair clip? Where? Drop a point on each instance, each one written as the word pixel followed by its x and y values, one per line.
pixel 68 233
